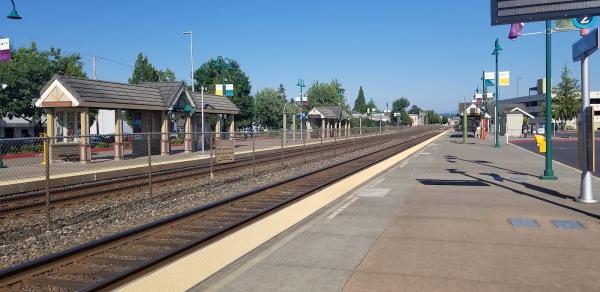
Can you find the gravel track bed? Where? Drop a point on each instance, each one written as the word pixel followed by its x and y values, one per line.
pixel 23 239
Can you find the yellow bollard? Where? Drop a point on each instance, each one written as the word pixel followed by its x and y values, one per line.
pixel 541 142
pixel 43 135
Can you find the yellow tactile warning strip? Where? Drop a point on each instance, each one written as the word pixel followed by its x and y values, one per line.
pixel 186 272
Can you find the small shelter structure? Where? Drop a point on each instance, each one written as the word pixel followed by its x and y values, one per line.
pixel 329 121
pixel 512 120
pixel 150 107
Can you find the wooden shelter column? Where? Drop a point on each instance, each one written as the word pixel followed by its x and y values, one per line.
pixel 323 128
pixel 50 128
pixel 218 127
pixel 187 136
pixel 164 131
pixel 232 127
pixel 118 135
pixel 84 137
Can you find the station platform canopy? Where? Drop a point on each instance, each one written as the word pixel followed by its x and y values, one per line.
pixel 330 113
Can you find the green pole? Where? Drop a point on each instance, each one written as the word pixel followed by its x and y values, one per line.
pixel 496 52
pixel 464 120
pixel 548 171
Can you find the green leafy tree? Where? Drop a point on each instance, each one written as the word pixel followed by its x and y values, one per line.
pixel 281 91
pixel 26 73
pixel 566 100
pixel 405 119
pixel 144 71
pixel 360 104
pixel 400 105
pixel 444 120
pixel 414 110
pixel 210 74
pixel 326 94
pixel 371 105
pixel 432 117
pixel 269 107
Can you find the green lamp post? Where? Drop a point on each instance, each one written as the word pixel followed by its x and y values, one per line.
pixel 224 64
pixel 496 52
pixel 301 85
pixel 548 171
pixel 13 13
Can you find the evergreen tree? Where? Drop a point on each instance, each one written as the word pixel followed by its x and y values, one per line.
pixel 567 102
pixel 360 104
pixel 144 71
pixel 281 91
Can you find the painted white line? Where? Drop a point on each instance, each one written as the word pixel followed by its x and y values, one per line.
pixel 376 182
pixel 403 164
pixel 424 153
pixel 342 208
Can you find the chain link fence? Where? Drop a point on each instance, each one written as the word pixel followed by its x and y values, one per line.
pixel 85 187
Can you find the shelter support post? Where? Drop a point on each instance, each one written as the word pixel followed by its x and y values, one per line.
pixel 84 140
pixel 164 134
pixel 187 138
pixel 118 135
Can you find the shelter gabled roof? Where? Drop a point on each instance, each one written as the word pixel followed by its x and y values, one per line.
pixel 511 108
pixel 330 112
pixel 214 104
pixel 169 90
pixel 101 94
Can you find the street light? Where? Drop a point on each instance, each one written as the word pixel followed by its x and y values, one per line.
pixel 191 55
pixel 496 52
pixel 225 64
pixel 13 13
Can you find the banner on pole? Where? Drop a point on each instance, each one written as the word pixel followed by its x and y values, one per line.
pixel 504 78
pixel 4 50
pixel 228 89
pixel 219 89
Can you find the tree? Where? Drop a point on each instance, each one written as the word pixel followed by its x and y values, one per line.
pixel 326 94
pixel 444 120
pixel 414 110
pixel 432 117
pixel 567 102
pixel 210 74
pixel 269 107
pixel 26 73
pixel 360 104
pixel 405 119
pixel 281 91
pixel 399 105
pixel 371 105
pixel 144 71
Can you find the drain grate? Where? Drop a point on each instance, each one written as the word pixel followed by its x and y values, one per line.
pixel 523 222
pixel 567 224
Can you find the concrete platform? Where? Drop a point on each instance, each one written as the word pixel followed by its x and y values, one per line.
pixel 437 221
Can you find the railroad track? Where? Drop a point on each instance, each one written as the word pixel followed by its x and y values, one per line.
pixel 33 202
pixel 109 262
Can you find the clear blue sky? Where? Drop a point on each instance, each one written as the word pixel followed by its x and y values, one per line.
pixel 432 52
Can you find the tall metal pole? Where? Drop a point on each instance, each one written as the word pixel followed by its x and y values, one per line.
pixel 94 67
pixel 496 123
pixel 465 120
pixel 191 55
pixel 548 171
pixel 586 194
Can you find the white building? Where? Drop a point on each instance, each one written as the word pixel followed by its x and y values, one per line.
pixel 16 128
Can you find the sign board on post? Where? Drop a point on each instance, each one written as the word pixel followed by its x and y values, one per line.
pixel 490 76
pixel 513 11
pixel 225 151
pixel 504 78
pixel 219 89
pixel 228 89
pixel 587 45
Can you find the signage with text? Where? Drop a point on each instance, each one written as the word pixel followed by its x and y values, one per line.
pixel 514 11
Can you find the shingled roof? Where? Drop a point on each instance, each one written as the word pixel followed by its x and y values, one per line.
pixel 215 104
pixel 332 112
pixel 159 96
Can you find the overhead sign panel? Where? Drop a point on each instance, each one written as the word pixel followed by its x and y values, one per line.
pixel 586 45
pixel 513 11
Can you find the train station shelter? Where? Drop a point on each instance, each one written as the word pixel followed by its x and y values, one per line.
pixel 150 107
pixel 330 120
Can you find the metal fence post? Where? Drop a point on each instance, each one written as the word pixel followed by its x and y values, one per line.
pixel 321 147
pixel 149 165
pixel 253 157
pixel 282 154
pixel 47 170
pixel 303 146
pixel 211 162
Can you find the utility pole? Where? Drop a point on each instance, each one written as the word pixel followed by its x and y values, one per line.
pixel 94 67
pixel 192 57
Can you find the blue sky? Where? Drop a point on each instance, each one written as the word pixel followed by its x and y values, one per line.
pixel 432 52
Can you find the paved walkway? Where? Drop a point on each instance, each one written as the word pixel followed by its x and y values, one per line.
pixel 439 221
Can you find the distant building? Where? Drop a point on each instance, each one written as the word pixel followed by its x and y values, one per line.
pixel 418 119
pixel 16 128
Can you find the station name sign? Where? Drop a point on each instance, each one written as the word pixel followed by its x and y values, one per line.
pixel 513 11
